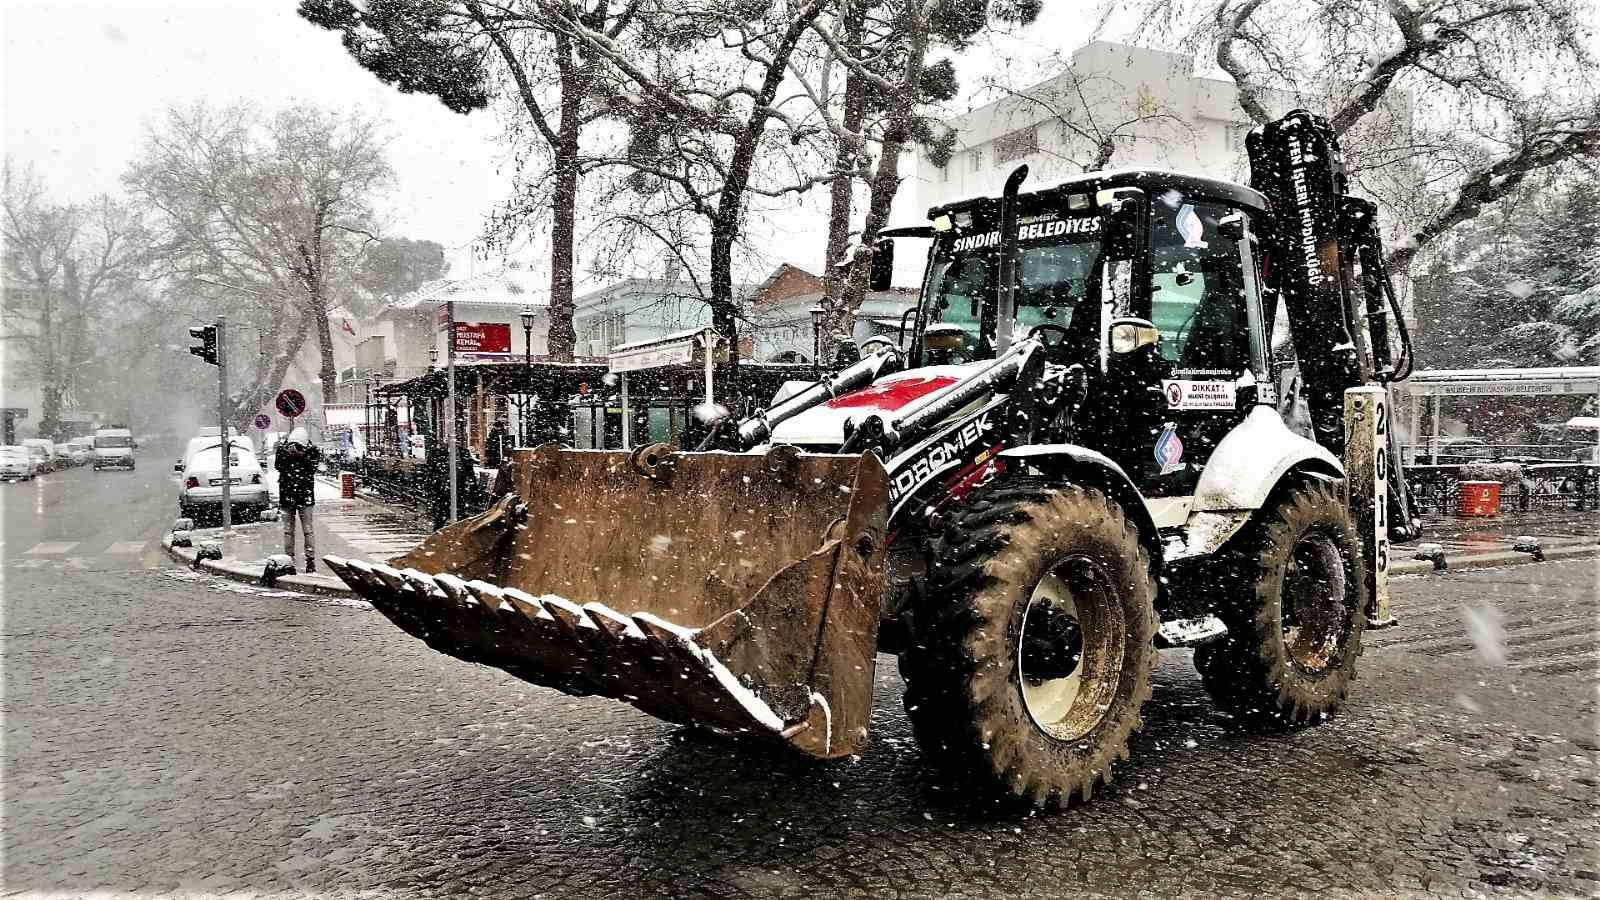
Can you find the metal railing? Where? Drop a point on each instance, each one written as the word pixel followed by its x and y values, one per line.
pixel 1452 452
pixel 1531 487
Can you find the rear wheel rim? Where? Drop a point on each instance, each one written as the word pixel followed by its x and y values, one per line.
pixel 1070 649
pixel 1315 614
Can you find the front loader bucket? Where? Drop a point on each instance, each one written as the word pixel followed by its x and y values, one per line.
pixel 736 591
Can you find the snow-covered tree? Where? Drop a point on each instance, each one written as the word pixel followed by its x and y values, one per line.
pixel 265 216
pixel 1518 285
pixel 1446 106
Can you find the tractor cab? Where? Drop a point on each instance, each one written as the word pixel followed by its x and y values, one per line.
pixel 1147 280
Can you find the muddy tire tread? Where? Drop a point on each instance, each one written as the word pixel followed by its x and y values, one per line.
pixel 959 690
pixel 1248 672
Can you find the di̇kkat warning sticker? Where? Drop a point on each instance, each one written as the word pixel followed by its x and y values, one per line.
pixel 1185 394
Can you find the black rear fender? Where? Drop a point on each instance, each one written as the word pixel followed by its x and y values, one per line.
pixel 1073 464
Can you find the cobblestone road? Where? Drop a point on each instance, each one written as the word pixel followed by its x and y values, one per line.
pixel 167 733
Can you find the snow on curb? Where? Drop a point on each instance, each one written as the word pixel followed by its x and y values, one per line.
pixel 320 585
pixel 1493 559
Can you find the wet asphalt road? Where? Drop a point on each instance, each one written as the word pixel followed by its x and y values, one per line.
pixel 171 734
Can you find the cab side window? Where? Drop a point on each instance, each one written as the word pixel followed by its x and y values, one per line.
pixel 1197 280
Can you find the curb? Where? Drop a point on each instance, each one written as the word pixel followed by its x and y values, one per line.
pixel 1491 560
pixel 250 573
pixel 328 586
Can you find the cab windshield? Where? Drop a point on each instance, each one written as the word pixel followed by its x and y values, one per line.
pixel 1054 279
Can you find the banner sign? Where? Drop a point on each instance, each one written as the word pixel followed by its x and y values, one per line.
pixel 483 338
pixel 1509 387
pixel 634 360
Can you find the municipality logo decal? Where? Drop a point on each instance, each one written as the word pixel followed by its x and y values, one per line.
pixel 1169 450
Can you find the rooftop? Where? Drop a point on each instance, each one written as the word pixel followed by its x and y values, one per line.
pixel 512 284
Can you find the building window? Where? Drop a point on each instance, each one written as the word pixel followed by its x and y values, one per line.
pixel 1016 145
pixel 606 333
pixel 977 160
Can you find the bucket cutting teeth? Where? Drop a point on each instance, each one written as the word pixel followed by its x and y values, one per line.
pixel 580 649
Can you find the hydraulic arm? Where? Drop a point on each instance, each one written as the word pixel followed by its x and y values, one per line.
pixel 1338 317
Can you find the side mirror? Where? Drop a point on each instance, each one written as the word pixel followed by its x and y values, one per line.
pixel 1231 226
pixel 1120 213
pixel 1129 334
pixel 881 277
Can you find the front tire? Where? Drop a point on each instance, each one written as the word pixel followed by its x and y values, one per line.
pixel 1296 598
pixel 1033 655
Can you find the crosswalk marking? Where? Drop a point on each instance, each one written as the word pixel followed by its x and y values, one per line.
pixel 126 547
pixel 51 548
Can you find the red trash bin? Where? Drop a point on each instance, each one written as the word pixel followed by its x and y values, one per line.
pixel 1479 498
pixel 347 485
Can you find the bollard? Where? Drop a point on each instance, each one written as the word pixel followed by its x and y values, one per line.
pixel 1527 543
pixel 207 550
pixel 278 565
pixel 347 485
pixel 1433 553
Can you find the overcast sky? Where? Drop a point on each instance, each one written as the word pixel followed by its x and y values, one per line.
pixel 82 80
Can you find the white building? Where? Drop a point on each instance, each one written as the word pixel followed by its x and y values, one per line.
pixel 1148 103
pixel 640 309
pixel 488 312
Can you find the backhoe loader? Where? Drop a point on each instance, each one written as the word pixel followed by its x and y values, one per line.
pixel 1071 458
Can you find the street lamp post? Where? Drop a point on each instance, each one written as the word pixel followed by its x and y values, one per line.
pixel 817 312
pixel 527 374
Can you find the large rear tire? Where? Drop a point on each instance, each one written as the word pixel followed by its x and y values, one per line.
pixel 1033 654
pixel 1294 599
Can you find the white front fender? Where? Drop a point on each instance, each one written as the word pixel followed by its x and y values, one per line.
pixel 1253 458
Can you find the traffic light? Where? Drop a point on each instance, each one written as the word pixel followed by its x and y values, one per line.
pixel 207 348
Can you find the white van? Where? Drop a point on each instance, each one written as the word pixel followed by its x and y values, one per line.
pixel 113 448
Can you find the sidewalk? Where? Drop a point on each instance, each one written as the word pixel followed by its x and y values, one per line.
pixel 361 528
pixel 367 529
pixel 1477 537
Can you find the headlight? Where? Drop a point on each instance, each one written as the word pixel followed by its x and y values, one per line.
pixel 1128 335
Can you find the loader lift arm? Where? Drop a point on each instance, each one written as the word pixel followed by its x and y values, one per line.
pixel 1340 328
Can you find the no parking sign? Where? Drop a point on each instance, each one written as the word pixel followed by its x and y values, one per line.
pixel 291 403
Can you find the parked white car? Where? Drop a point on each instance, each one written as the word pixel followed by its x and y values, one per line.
pixel 201 493
pixel 17 463
pixel 208 438
pixel 43 452
pixel 61 455
pixel 113 448
pixel 82 449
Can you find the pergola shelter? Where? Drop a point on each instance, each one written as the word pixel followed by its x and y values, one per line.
pixel 1438 385
pixel 585 404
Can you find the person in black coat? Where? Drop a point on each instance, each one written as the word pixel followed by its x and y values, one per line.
pixel 296 460
pixel 497 444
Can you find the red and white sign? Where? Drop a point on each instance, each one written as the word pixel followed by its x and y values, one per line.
pixel 483 338
pixel 291 403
